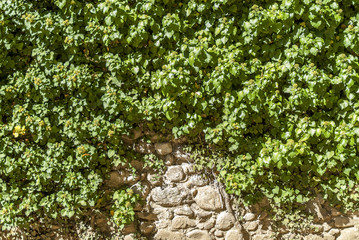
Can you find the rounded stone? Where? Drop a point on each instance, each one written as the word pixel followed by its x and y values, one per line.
pixel 174 174
pixel 208 198
pixel 146 228
pixel 349 234
pixel 198 235
pixel 225 221
pixel 184 210
pixel 168 196
pixel 233 235
pixel 249 217
pixel 163 148
pixel 169 235
pixel 182 222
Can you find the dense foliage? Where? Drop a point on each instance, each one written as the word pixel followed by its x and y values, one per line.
pixel 272 85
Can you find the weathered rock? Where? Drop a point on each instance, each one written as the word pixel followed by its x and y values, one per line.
pixel 138 165
pixel 349 234
pixel 168 235
pixel 184 210
pixel 208 198
pixel 198 235
pixel 317 227
pixel 146 216
pixel 146 228
pixel 130 228
pixel 170 196
pixel 334 212
pixel 197 180
pixel 207 225
pixel 137 133
pixel 313 237
pixel 154 179
pixel 163 148
pixel 249 217
pixel 218 233
pixel 334 232
pixel 251 226
pixel 202 214
pixel 142 189
pixel 262 237
pixel 174 174
pixel 181 222
pixel 225 221
pixel 327 236
pixel 234 234
pixel 188 168
pixel 144 148
pixel 169 160
pixel 326 227
pixel 129 237
pixel 181 155
pixel 343 222
pixel 119 178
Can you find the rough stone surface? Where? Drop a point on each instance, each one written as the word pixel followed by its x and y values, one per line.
pixel 180 222
pixel 163 148
pixel 334 232
pixel 327 236
pixel 225 221
pixel 208 198
pixel 182 204
pixel 169 235
pixel 198 235
pixel 119 178
pixel 251 226
pixel 262 237
pixel 146 228
pixel 199 212
pixel 209 224
pixel 197 180
pixel 249 217
pixel 233 235
pixel 174 174
pixel 168 196
pixel 313 237
pixel 342 222
pixel 129 237
pixel 185 210
pixel 349 234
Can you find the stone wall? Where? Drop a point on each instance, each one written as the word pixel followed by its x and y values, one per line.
pixel 185 204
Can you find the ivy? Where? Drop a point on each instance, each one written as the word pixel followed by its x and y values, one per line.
pixel 271 85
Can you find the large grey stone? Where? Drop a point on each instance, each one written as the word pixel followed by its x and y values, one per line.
pixel 225 221
pixel 208 198
pixel 198 235
pixel 169 196
pixel 174 174
pixel 163 148
pixel 349 234
pixel 168 235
